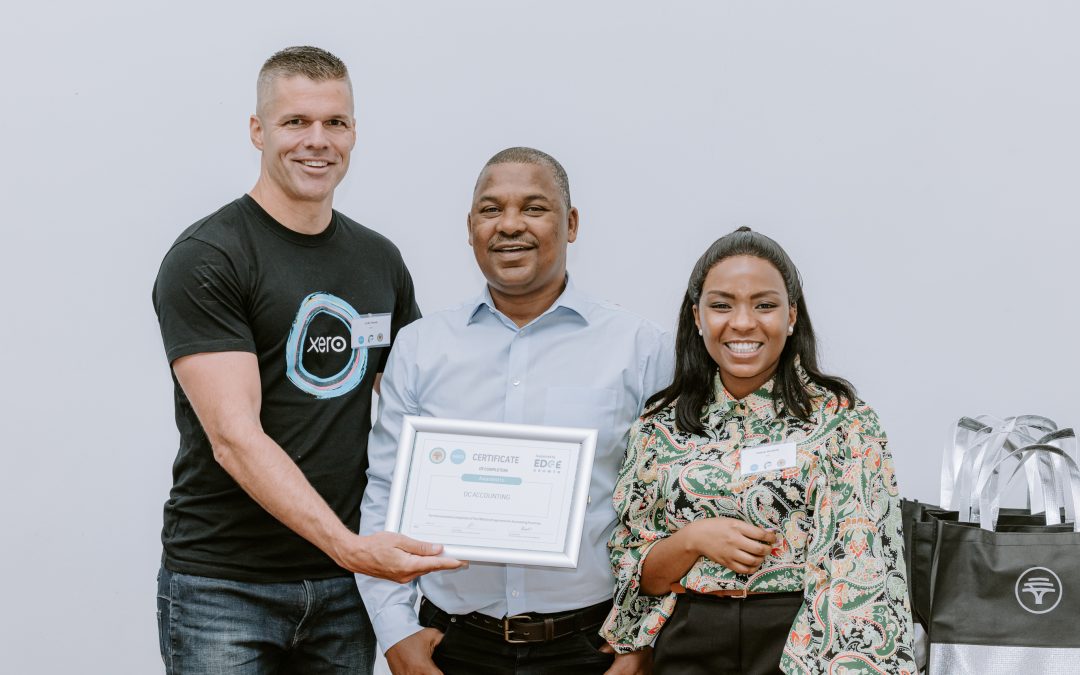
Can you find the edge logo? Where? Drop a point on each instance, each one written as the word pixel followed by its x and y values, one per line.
pixel 341 382
pixel 1038 590
pixel 547 464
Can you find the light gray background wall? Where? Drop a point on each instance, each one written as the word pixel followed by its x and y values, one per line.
pixel 919 160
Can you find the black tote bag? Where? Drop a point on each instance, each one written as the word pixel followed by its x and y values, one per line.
pixel 1004 600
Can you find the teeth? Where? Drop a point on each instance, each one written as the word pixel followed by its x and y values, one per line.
pixel 743 347
pixel 311 162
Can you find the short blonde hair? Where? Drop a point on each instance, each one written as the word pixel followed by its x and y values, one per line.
pixel 313 63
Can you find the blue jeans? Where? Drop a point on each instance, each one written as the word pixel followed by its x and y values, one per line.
pixel 217 626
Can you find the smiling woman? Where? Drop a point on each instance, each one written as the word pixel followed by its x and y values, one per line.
pixel 757 495
pixel 744 316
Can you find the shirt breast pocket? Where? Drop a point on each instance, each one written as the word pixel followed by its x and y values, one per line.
pixel 588 407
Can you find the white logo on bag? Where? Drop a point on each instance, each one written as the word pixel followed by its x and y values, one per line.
pixel 1039 586
pixel 1039 582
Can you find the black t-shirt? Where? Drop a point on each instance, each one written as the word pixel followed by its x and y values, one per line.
pixel 240 281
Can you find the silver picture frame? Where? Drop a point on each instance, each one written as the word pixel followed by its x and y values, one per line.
pixel 430 501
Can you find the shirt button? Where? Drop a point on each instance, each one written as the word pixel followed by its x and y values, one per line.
pixel 514 593
pixel 517 382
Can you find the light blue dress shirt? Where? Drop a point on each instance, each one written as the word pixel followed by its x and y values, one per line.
pixel 582 363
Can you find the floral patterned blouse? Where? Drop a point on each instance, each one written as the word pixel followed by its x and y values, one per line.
pixel 836 512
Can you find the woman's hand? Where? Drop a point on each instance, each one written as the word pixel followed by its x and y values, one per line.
pixel 737 545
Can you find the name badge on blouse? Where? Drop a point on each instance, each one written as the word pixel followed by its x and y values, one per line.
pixel 762 458
pixel 372 330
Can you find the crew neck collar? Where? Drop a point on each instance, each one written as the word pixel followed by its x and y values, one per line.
pixel 270 223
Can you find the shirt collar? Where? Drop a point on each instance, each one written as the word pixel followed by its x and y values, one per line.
pixel 571 299
pixel 759 403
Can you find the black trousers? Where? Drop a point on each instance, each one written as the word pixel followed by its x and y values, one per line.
pixel 707 635
pixel 471 651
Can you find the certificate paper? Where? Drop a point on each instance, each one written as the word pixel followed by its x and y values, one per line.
pixel 493 492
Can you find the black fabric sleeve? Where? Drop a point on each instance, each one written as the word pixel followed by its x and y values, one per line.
pixel 199 302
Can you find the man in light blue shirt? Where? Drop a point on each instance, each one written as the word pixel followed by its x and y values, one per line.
pixel 531 349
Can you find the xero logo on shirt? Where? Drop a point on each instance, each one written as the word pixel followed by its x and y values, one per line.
pixel 319 358
pixel 323 345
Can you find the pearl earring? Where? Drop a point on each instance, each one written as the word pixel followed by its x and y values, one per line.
pixel 790 330
pixel 699 331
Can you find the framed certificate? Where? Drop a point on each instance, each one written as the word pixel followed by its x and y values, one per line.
pixel 491 492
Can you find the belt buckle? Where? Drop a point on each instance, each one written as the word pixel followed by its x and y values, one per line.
pixel 507 630
pixel 745 592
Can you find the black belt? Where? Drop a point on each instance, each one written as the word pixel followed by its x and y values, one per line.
pixel 520 628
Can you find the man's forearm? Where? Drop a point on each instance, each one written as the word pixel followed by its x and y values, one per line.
pixel 224 391
pixel 266 473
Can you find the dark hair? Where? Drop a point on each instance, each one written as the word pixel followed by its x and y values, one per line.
pixel 523 155
pixel 692 388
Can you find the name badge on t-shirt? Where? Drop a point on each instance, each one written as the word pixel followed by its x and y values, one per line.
pixel 372 330
pixel 762 458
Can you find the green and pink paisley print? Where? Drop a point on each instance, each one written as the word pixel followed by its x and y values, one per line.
pixel 837 514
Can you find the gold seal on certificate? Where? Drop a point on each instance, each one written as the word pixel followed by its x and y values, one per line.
pixel 491 492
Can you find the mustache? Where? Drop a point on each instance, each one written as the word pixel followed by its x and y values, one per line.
pixel 515 240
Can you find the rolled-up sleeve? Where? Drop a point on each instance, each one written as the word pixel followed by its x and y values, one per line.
pixel 855 612
pixel 635 618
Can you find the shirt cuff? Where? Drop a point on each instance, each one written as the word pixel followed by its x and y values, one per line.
pixel 394 624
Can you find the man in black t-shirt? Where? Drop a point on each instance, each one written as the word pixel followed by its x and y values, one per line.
pixel 277 314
